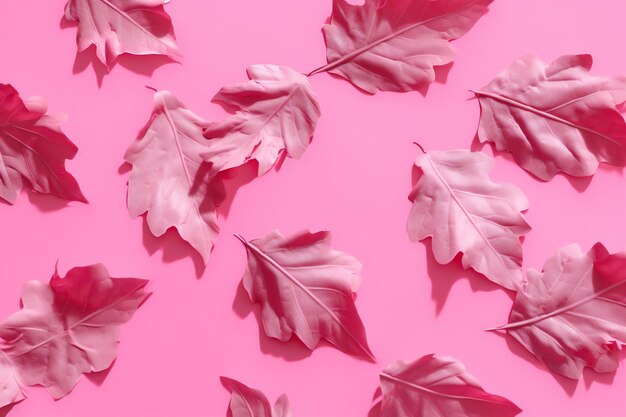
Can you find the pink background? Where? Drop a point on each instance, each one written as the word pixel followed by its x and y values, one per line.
pixel 353 180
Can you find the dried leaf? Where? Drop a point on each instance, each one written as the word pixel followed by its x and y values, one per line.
pixel 276 112
pixel 436 386
pixel 116 27
pixel 395 45
pixel 555 117
pixel 169 179
pixel 572 314
pixel 66 328
pixel 307 288
pixel 33 150
pixel 464 211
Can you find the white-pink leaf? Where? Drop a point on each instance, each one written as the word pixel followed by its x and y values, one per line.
pixel 249 402
pixel 437 386
pixel 306 288
pixel 116 27
pixel 169 179
pixel 555 117
pixel 68 327
pixel 573 313
pixel 276 112
pixel 10 390
pixel 464 211
pixel 395 45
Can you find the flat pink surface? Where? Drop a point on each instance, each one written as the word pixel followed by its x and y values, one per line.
pixel 353 180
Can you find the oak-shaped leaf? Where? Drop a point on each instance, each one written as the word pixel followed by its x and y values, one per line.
pixel 572 315
pixel 306 288
pixel 169 180
pixel 436 386
pixel 33 150
pixel 276 112
pixel 65 328
pixel 395 45
pixel 464 211
pixel 555 117
pixel 116 27
pixel 250 402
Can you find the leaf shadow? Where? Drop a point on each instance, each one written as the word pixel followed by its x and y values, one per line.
pixel 4 411
pixel 172 246
pixel 580 184
pixel 46 203
pixel 568 385
pixel 291 350
pixel 233 179
pixel 443 277
pixel 98 378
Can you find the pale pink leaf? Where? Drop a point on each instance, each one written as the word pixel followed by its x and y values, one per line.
pixel 464 211
pixel 306 288
pixel 169 179
pixel 437 386
pixel 573 313
pixel 249 402
pixel 555 117
pixel 116 27
pixel 68 327
pixel 10 390
pixel 276 112
pixel 395 45
pixel 33 150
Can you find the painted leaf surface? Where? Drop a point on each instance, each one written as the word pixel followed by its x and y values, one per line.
pixel 573 314
pixel 10 390
pixel 116 27
pixel 555 117
pixel 306 288
pixel 436 386
pixel 464 211
pixel 249 402
pixel 395 45
pixel 33 150
pixel 276 112
pixel 169 180
pixel 68 327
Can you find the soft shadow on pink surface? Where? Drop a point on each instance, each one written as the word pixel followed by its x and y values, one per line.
pixel 291 350
pixel 97 378
pixel 580 184
pixel 173 247
pixel 443 277
pixel 43 202
pixel 233 180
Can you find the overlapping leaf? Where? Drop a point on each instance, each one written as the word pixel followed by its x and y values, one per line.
pixel 68 327
pixel 573 314
pixel 306 288
pixel 169 179
pixel 464 211
pixel 116 27
pixel 276 112
pixel 395 45
pixel 33 150
pixel 249 402
pixel 436 386
pixel 555 117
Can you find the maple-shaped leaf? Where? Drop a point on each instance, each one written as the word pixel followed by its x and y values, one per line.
pixel 437 386
pixel 395 45
pixel 276 112
pixel 573 313
pixel 33 150
pixel 169 179
pixel 555 117
pixel 68 327
pixel 10 390
pixel 464 211
pixel 249 402
pixel 306 288
pixel 116 27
